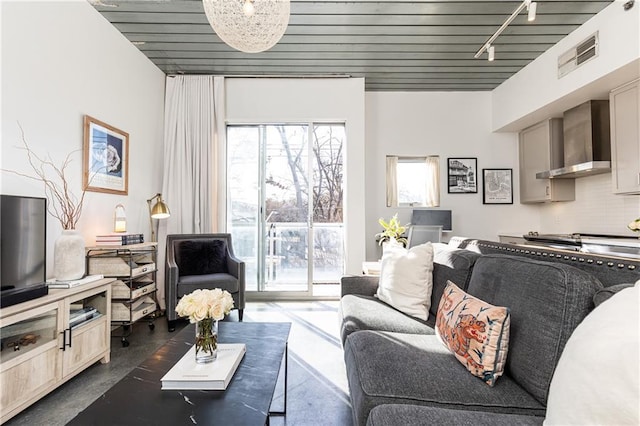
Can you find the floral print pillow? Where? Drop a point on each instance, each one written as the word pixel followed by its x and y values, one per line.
pixel 476 332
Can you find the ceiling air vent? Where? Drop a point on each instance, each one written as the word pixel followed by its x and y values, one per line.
pixel 578 55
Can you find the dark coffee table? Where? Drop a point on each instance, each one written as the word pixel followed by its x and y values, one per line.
pixel 138 398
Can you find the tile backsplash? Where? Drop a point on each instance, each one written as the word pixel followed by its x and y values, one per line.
pixel 595 210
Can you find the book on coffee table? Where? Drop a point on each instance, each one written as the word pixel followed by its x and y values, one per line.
pixel 216 375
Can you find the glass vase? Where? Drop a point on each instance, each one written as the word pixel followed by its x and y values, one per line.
pixel 206 340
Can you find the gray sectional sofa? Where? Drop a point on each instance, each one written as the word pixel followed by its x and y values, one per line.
pixel 399 373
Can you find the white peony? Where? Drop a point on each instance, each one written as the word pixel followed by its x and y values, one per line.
pixel 201 304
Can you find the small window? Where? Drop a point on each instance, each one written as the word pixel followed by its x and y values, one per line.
pixel 413 181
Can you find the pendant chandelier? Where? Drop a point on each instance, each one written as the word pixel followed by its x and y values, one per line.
pixel 249 26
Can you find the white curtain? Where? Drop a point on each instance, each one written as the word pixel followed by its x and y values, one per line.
pixel 392 181
pixel 193 109
pixel 433 182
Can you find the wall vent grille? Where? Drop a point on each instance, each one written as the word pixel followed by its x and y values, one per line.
pixel 578 55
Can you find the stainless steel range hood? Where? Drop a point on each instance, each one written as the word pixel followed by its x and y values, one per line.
pixel 587 142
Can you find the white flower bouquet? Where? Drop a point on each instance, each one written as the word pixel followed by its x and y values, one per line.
pixel 202 304
pixel 205 308
pixel 634 225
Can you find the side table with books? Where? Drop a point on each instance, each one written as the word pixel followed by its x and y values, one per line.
pixel 133 294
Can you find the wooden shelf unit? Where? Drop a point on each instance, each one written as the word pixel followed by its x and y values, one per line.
pixel 29 371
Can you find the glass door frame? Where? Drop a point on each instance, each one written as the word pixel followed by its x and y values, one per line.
pixel 261 293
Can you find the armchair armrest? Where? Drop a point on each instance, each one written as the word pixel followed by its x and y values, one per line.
pixel 365 285
pixel 236 267
pixel 171 275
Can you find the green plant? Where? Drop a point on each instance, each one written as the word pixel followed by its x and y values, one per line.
pixel 392 229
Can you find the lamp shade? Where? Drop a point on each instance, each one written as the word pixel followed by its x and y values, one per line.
pixel 250 28
pixel 160 210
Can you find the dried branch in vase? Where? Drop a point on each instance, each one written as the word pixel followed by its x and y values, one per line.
pixel 63 204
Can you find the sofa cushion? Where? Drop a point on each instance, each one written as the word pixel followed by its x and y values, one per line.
pixel 476 332
pixel 368 313
pixel 406 279
pixel 596 381
pixel 417 415
pixel 450 264
pixel 605 294
pixel 387 368
pixel 201 257
pixel 546 301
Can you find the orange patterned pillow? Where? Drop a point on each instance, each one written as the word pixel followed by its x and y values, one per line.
pixel 476 332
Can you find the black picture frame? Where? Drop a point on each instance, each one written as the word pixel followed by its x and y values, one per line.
pixel 462 175
pixel 497 186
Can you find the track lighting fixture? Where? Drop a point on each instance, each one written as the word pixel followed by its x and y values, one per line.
pixel 529 5
pixel 491 53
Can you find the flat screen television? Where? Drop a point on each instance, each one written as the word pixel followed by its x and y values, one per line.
pixel 23 249
pixel 432 217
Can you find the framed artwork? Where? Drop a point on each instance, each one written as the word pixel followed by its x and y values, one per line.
pixel 497 186
pixel 106 158
pixel 462 175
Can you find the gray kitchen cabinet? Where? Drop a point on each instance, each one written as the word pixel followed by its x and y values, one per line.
pixel 540 149
pixel 625 138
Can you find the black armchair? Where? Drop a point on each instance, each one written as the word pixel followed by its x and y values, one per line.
pixel 201 261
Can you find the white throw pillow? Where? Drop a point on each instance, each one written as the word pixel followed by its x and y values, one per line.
pixel 596 380
pixel 406 279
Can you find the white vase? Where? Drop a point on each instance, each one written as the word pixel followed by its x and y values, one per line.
pixel 69 256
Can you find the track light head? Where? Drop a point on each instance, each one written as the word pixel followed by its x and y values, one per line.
pixel 491 52
pixel 532 7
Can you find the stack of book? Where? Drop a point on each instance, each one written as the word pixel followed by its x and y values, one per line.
pixel 186 374
pixel 54 283
pixel 119 239
pixel 78 316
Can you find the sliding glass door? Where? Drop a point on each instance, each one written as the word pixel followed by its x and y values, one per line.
pixel 284 206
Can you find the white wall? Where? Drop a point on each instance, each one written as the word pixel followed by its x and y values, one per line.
pixel 448 124
pixel 276 100
pixel 61 60
pixel 536 93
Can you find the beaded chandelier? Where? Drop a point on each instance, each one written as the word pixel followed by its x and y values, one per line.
pixel 249 26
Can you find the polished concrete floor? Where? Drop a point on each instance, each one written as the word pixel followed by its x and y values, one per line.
pixel 317 392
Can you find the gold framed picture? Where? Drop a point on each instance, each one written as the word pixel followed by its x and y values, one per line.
pixel 106 158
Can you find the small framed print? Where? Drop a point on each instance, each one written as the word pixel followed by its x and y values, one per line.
pixel 462 175
pixel 497 186
pixel 106 158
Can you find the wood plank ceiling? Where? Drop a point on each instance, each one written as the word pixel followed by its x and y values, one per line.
pixel 424 45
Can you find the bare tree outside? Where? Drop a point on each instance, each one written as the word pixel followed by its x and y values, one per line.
pixel 297 173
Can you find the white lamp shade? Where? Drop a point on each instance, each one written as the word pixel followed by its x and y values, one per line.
pixel 252 33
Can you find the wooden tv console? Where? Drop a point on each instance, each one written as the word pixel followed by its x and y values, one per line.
pixel 40 350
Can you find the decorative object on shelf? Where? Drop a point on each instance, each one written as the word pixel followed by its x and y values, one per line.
pixel 462 175
pixel 119 219
pixel 64 205
pixel 106 158
pixel 159 211
pixel 205 308
pixel 497 186
pixel 635 226
pixel 69 256
pixel 392 230
pixel 250 26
